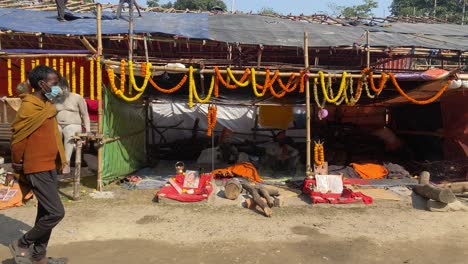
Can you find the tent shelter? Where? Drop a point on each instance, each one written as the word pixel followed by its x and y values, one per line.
pixel 166 49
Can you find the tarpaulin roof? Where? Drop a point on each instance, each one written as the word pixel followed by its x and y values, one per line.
pixel 243 29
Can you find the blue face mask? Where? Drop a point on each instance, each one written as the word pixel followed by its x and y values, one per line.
pixel 54 92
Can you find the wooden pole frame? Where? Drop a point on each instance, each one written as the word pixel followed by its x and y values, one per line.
pixel 100 120
pixel 307 90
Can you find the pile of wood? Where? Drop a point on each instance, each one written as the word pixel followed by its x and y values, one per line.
pixel 261 198
pixel 441 198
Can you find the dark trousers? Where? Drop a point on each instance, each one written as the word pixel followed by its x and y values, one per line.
pixel 49 212
pixel 61 8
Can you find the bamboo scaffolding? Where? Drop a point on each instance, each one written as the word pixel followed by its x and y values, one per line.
pixel 99 50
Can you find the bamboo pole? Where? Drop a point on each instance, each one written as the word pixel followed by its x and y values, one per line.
pixel 307 88
pixel 116 66
pixel 99 50
pixel 42 55
pixel 130 31
pixel 88 45
pixel 367 50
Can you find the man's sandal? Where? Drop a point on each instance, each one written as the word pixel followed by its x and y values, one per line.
pixel 21 255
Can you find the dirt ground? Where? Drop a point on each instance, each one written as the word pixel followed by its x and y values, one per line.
pixel 131 228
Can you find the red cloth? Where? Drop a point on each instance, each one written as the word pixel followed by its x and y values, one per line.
pixel 203 191
pixel 92 109
pixel 347 196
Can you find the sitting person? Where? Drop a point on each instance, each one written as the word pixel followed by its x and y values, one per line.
pixel 72 116
pixel 280 155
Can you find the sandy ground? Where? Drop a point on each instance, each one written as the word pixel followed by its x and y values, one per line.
pixel 131 228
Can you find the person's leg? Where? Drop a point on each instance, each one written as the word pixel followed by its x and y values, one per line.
pixel 69 143
pixel 137 7
pixel 119 8
pixel 60 9
pixel 50 212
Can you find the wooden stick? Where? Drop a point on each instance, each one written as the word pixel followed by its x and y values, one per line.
pixel 76 179
pixel 307 87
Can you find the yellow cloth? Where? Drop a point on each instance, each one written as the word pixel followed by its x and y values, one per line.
pixel 31 116
pixel 275 116
pixel 370 170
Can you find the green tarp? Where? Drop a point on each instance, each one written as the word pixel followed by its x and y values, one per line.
pixel 127 121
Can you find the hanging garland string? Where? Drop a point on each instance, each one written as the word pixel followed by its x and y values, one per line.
pixel 322 104
pixel 23 71
pixel 73 78
pixel 82 81
pixel 292 78
pixel 67 72
pixel 304 78
pixel 254 84
pixel 383 80
pixel 423 102
pixel 212 114
pixel 61 66
pixel 366 87
pixel 99 78
pixel 193 89
pixel 272 89
pixel 319 154
pixel 132 76
pixel 91 79
pixel 118 92
pixel 122 75
pixel 242 82
pixel 324 88
pixel 54 64
pixel 163 90
pixel 10 86
pixel 47 61
pixel 267 81
pixel 345 92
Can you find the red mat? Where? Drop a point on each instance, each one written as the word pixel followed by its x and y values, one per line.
pixel 203 191
pixel 347 196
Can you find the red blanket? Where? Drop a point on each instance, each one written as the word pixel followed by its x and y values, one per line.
pixel 347 196
pixel 92 109
pixel 203 191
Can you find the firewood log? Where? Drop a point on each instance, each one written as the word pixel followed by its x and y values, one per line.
pixel 435 193
pixel 232 189
pixel 257 198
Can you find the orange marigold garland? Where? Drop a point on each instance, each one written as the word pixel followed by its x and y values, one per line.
pixel 163 90
pixel 212 111
pixel 428 101
pixel 382 82
pixel 226 84
pixel 122 75
pixel 319 153
pixel 292 78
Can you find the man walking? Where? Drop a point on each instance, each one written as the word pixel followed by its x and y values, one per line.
pixel 35 143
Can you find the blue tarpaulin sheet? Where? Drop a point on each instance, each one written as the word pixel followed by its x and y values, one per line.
pixel 186 25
